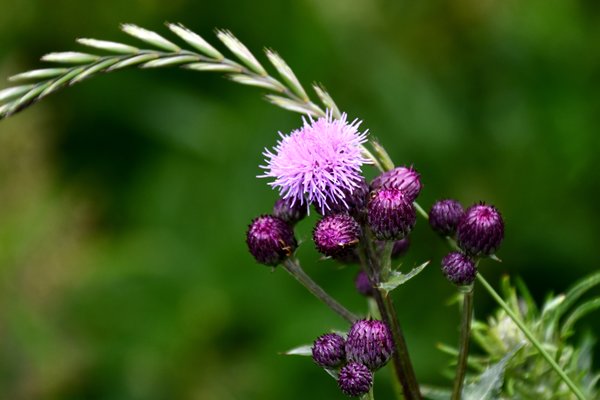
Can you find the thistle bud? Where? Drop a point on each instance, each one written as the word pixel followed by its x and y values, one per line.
pixel 328 350
pixel 289 209
pixel 459 268
pixel 481 230
pixel 270 240
pixel 354 200
pixel 363 284
pixel 444 216
pixel 336 234
pixel 402 178
pixel 390 214
pixel 355 379
pixel 369 342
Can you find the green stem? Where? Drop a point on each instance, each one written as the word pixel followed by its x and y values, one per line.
pixel 403 368
pixel 293 267
pixel 531 338
pixel 465 336
pixel 420 210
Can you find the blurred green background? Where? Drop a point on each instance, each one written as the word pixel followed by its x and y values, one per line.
pixel 124 200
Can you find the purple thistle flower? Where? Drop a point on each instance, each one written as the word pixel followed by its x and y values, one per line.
pixel 403 178
pixel 355 379
pixel 363 284
pixel 270 239
pixel 356 200
pixel 328 350
pixel 369 342
pixel 481 230
pixel 318 163
pixel 459 268
pixel 445 215
pixel 289 210
pixel 390 214
pixel 336 234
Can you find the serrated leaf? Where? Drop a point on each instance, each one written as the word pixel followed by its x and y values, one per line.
pixel 70 57
pixel 435 393
pixel 108 46
pixel 168 61
pixel 216 67
pixel 240 51
pixel 397 278
pixel 195 40
pixel 38 74
pixel 577 290
pixel 150 37
pixel 286 74
pixel 490 382
pixel 304 350
pixel 579 312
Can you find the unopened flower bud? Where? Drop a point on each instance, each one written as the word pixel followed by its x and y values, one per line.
pixel 354 201
pixel 444 216
pixel 289 209
pixel 336 234
pixel 270 240
pixel 459 268
pixel 403 178
pixel 328 350
pixel 369 342
pixel 481 230
pixel 355 379
pixel 390 214
pixel 363 284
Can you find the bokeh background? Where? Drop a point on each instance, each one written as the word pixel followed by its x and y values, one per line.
pixel 124 200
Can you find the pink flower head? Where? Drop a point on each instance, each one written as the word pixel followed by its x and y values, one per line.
pixel 318 163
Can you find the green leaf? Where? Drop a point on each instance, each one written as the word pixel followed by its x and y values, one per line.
pixel 304 350
pixel 577 290
pixel 435 393
pixel 490 382
pixel 579 312
pixel 397 278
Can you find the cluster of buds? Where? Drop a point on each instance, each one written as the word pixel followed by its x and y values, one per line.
pixel 478 232
pixel 367 347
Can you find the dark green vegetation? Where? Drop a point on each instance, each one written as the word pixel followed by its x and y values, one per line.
pixel 124 200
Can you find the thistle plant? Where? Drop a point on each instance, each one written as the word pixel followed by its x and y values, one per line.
pixel 319 167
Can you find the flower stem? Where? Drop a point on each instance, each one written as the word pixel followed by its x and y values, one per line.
pixel 465 336
pixel 401 358
pixel 420 210
pixel 293 267
pixel 531 338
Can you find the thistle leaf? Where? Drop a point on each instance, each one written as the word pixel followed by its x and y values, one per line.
pixel 581 311
pixel 286 74
pixel 150 37
pixel 38 74
pixel 195 40
pixel 397 278
pixel 577 290
pixel 70 57
pixel 304 350
pixel 113 47
pixel 491 380
pixel 241 51
pixel 435 393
